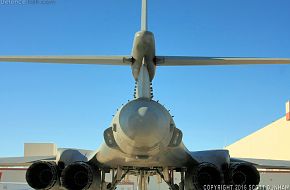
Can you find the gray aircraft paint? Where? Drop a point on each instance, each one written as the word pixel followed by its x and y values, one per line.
pixel 142 133
pixel 162 144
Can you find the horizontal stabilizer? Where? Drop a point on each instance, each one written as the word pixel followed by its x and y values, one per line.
pixel 184 60
pixel 102 60
pixel 24 161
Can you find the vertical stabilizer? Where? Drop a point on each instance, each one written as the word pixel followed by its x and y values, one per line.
pixel 144 16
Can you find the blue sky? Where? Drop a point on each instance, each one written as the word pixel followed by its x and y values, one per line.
pixel 71 105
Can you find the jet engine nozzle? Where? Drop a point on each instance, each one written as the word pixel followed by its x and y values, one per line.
pixel 42 175
pixel 244 174
pixel 203 174
pixel 78 176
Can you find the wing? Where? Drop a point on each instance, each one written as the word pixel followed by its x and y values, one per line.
pixel 65 155
pixel 217 157
pixel 24 161
pixel 264 163
pixel 184 60
pixel 103 60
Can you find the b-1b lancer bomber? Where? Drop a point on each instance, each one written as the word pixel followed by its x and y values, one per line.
pixel 142 139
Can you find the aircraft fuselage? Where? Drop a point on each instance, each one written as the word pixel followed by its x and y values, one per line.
pixel 142 132
pixel 145 136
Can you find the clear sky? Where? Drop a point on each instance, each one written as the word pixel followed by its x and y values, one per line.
pixel 71 105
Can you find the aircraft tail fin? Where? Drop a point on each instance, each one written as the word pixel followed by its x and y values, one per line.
pixel 144 16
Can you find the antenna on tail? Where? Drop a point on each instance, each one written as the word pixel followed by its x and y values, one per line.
pixel 144 16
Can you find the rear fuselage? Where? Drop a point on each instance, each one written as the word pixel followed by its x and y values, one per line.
pixel 142 132
pixel 145 135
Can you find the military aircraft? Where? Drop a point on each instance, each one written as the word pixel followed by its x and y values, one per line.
pixel 142 139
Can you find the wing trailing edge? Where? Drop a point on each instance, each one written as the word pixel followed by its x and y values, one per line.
pixel 265 163
pixel 23 161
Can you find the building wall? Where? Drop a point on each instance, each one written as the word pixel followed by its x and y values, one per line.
pixel 40 149
pixel 271 142
pixel 12 174
pixel 275 178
